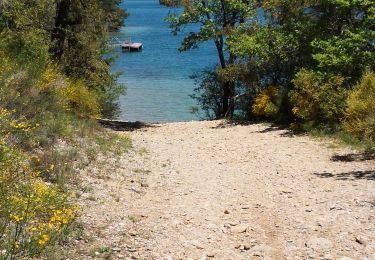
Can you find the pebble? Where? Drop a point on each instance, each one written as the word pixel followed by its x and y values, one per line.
pixel 241 228
pixel 287 191
pixel 234 223
pixel 260 250
pixel 132 233
pixel 319 244
pixel 246 247
pixel 226 211
pixel 360 240
pixel 196 244
pixel 327 257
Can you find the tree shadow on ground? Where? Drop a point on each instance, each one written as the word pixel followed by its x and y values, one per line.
pixel 272 128
pixel 124 126
pixel 232 123
pixel 353 175
pixel 354 157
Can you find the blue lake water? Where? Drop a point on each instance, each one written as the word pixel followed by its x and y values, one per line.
pixel 157 79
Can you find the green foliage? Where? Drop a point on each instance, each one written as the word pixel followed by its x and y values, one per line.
pixel 314 51
pixel 212 17
pixel 118 144
pixel 114 16
pixel 318 98
pixel 360 114
pixel 78 33
pixel 46 103
pixel 208 93
pixel 216 20
pixel 348 53
pixel 280 45
pixel 82 45
pixel 173 2
pixel 32 212
pixel 271 57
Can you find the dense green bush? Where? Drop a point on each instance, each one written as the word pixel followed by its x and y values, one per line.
pixel 318 98
pixel 208 93
pixel 360 114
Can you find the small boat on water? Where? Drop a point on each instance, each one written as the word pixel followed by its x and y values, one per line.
pixel 129 46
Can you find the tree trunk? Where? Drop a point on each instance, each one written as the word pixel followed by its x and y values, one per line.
pixel 220 51
pixel 59 31
pixel 226 99
pixel 225 110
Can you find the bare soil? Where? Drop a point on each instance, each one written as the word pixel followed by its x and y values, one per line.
pixel 201 190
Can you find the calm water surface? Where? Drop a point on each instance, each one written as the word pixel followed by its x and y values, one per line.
pixel 157 79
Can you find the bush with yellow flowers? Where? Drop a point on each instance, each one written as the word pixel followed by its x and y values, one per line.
pixel 32 212
pixel 318 98
pixel 267 102
pixel 80 100
pixel 360 114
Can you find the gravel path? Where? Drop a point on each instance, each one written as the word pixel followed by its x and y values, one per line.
pixel 203 190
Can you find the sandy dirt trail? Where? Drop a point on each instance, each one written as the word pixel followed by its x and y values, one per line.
pixel 214 190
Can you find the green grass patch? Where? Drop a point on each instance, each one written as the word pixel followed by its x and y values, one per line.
pixel 116 143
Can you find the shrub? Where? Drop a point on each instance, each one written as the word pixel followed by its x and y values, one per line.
pixel 208 93
pixel 32 212
pixel 360 114
pixel 172 2
pixel 267 103
pixel 317 98
pixel 80 100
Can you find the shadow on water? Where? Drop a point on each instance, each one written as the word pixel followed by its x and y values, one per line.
pixel 354 157
pixel 353 175
pixel 124 126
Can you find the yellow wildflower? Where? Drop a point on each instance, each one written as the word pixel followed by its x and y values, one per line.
pixel 43 240
pixel 17 218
